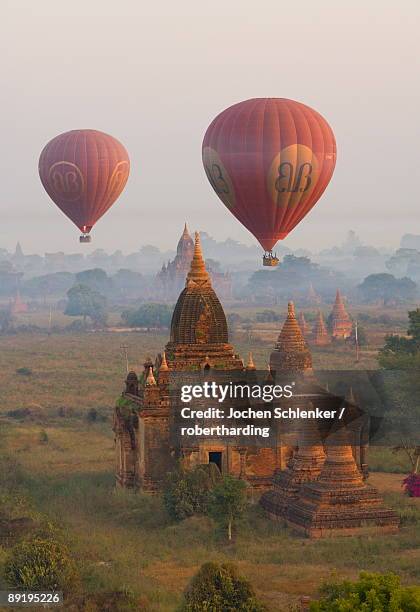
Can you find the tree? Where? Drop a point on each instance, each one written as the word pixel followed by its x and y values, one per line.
pixel 296 272
pixel 56 283
pixel 126 282
pixel 187 492
pixel 6 321
pixel 370 593
pixel 96 278
pixel 387 289
pixel 218 587
pixel 267 316
pixel 86 302
pixel 148 315
pixel 362 339
pixel 400 346
pixel 414 327
pixel 40 564
pixel 227 503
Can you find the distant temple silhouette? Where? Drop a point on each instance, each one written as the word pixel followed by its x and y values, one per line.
pixel 341 324
pixel 18 306
pixel 171 278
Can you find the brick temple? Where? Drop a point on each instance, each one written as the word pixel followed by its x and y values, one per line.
pixel 305 328
pixel 199 347
pixel 341 324
pixel 320 335
pixel 170 279
pixel 337 502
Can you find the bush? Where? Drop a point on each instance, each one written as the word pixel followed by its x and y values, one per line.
pixel 412 485
pixel 187 493
pixel 76 326
pixel 371 593
pixel 92 415
pixel 267 316
pixel 24 371
pixel 43 437
pixel 20 413
pixel 218 587
pixel 41 564
pixel 362 339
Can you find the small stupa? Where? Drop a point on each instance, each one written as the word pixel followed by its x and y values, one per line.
pixel 305 466
pixel 18 306
pixel 305 328
pixel 312 296
pixel 291 353
pixel 339 502
pixel 341 325
pixel 320 336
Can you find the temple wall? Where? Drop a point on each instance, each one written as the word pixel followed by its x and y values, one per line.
pixel 127 473
pixel 155 455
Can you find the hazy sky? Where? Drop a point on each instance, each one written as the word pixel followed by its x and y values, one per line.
pixel 154 74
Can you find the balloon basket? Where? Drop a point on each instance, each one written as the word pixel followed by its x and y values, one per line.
pixel 85 238
pixel 270 260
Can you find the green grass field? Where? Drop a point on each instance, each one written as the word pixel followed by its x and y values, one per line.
pixel 126 541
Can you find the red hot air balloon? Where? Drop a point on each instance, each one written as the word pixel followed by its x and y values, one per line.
pixel 84 172
pixel 269 160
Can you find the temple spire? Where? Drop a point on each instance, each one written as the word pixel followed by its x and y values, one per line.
pixel 291 352
pixel 198 273
pixel 340 320
pixel 164 363
pixel 150 379
pixel 320 333
pixel 250 365
pixel 304 326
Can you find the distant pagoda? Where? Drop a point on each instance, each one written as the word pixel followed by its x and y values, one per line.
pixel 320 336
pixel 312 296
pixel 171 278
pixel 341 325
pixel 291 353
pixel 18 306
pixel 339 502
pixel 305 328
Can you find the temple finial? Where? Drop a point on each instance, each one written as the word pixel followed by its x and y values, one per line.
pixel 150 378
pixel 164 363
pixel 198 272
pixel 250 364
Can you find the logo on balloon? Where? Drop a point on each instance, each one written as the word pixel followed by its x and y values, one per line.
pixel 218 177
pixel 119 176
pixel 66 180
pixel 293 175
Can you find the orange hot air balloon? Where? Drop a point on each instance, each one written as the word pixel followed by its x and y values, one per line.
pixel 84 172
pixel 269 160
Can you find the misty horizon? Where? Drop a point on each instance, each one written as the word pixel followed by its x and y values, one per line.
pixel 89 249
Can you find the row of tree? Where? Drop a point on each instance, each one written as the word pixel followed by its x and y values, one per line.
pixel 297 273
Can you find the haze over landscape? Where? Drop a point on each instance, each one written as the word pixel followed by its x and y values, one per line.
pixel 155 76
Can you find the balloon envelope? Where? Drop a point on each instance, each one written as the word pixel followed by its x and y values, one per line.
pixel 84 172
pixel 269 160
